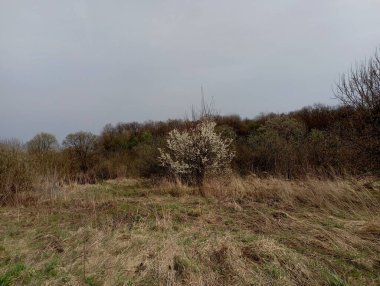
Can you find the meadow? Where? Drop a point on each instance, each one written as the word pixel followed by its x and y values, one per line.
pixel 251 231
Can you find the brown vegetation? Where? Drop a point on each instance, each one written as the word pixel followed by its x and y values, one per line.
pixel 318 141
pixel 16 175
pixel 254 231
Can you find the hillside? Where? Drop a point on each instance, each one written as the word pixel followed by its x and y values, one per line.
pixel 244 232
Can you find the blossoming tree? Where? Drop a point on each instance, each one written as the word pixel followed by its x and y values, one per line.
pixel 196 152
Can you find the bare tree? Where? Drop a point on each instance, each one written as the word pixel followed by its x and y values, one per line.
pixel 360 89
pixel 82 144
pixel 42 142
pixel 206 111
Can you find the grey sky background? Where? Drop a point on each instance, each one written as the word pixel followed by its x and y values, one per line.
pixel 79 64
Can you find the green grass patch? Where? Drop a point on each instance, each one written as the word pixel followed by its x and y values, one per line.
pixel 13 272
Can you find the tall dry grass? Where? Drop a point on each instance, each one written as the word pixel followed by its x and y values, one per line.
pixel 247 231
pixel 332 195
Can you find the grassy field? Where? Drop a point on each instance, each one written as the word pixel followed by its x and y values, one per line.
pixel 245 232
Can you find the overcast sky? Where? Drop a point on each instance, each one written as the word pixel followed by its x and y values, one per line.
pixel 79 64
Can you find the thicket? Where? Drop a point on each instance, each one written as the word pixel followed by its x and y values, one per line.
pixel 317 140
pixel 16 174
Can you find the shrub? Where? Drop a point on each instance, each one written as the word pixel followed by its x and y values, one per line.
pixel 15 173
pixel 277 145
pixel 197 151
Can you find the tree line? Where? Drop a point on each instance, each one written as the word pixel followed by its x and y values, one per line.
pixel 318 140
pixel 313 140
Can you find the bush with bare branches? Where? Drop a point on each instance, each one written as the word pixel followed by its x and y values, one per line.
pixel 15 172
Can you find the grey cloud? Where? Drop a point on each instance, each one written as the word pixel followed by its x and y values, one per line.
pixel 72 65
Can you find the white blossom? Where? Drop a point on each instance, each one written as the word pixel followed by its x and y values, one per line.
pixel 197 151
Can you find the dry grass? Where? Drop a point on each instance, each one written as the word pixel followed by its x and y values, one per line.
pixel 245 232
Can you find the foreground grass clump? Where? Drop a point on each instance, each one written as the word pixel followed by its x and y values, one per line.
pixel 244 232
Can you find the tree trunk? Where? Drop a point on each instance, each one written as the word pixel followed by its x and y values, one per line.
pixel 200 179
